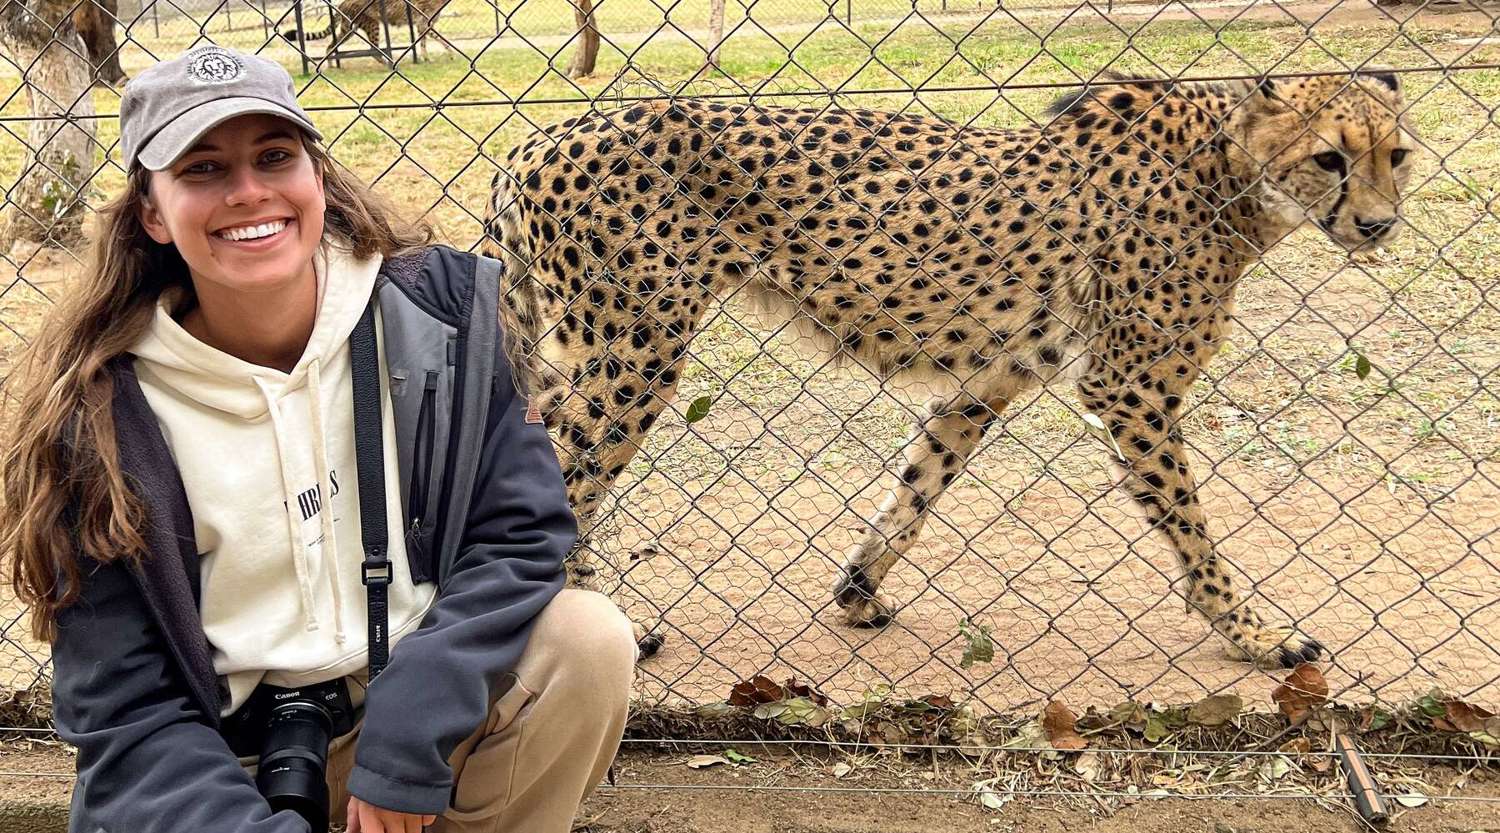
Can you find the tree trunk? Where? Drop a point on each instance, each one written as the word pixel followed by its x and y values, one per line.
pixel 95 21
pixel 715 32
pixel 588 41
pixel 46 203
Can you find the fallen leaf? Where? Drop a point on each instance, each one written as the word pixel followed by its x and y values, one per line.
pixel 1302 691
pixel 1432 704
pixel 1412 799
pixel 1373 719
pixel 1129 713
pixel 939 701
pixel 1031 736
pixel 714 710
pixel 770 711
pixel 1216 710
pixel 1087 766
pixel 979 648
pixel 1466 717
pixel 705 761
pixel 1275 769
pixel 699 409
pixel 756 690
pixel 792 688
pixel 841 769
pixel 801 711
pixel 737 757
pixel 990 799
pixel 1060 724
pixel 1156 729
pixel 1300 746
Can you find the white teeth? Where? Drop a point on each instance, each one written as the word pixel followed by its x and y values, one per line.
pixel 253 232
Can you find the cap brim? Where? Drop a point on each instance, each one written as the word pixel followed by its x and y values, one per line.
pixel 183 132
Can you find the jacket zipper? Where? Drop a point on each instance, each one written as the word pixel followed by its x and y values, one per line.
pixel 416 503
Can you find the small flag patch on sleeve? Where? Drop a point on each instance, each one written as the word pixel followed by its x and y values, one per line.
pixel 533 411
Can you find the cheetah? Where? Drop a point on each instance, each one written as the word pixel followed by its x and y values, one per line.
pixel 1102 248
pixel 368 16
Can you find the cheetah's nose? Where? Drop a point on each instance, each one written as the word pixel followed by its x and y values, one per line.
pixel 1374 228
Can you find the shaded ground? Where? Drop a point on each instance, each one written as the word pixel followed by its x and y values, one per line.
pixel 655 792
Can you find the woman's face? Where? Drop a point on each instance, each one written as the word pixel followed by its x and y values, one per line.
pixel 244 206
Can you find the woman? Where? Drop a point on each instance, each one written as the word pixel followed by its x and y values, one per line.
pixel 184 501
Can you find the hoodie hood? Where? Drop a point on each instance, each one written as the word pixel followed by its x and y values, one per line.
pixel 230 384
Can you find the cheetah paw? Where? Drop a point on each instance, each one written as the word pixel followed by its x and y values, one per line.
pixel 863 606
pixel 1271 648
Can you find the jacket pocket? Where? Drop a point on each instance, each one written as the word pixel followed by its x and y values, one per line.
pixel 421 501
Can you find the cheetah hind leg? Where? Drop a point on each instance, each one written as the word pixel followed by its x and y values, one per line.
pixel 1268 647
pixel 935 454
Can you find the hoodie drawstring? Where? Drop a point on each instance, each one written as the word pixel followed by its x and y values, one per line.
pixel 330 548
pixel 328 543
pixel 293 522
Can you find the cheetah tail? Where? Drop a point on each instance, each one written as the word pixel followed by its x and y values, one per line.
pixel 290 35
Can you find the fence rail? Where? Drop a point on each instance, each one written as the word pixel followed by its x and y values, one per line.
pixel 1344 438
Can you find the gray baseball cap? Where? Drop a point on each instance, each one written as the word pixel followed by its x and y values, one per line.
pixel 168 108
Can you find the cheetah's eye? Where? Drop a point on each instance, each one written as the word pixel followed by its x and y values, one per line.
pixel 1330 161
pixel 1398 156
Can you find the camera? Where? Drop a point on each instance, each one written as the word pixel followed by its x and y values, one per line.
pixel 290 729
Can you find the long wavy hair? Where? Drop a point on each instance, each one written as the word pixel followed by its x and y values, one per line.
pixel 63 492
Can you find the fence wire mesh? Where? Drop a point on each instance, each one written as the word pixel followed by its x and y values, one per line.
pixel 1344 437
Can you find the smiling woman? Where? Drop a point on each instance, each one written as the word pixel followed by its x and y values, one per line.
pixel 264 372
pixel 247 217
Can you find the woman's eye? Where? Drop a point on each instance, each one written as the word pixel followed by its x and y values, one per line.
pixel 1330 161
pixel 1398 156
pixel 272 157
pixel 199 168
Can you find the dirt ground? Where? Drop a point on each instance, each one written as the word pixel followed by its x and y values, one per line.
pixel 713 801
pixel 656 792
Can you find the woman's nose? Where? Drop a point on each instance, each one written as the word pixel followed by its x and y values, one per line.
pixel 245 187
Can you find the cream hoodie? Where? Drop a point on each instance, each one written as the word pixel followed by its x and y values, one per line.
pixel 267 459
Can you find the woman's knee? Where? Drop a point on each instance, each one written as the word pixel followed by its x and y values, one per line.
pixel 589 642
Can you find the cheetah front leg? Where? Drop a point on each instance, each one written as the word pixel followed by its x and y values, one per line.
pixel 935 454
pixel 1143 423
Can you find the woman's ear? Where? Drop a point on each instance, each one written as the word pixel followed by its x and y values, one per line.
pixel 151 221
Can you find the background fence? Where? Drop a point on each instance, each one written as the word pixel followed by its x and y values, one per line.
pixel 1345 438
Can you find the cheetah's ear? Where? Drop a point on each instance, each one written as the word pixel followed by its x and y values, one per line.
pixel 1390 79
pixel 1266 97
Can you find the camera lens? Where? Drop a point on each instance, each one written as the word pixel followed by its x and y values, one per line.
pixel 293 762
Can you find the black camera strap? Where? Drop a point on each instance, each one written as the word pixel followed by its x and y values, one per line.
pixel 369 439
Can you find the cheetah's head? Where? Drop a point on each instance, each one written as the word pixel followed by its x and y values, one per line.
pixel 1335 151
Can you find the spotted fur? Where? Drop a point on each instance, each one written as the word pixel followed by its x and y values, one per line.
pixel 1102 248
pixel 365 16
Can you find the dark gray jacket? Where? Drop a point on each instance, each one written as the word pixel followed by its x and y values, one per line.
pixel 133 682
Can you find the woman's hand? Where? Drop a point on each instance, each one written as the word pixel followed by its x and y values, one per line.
pixel 364 817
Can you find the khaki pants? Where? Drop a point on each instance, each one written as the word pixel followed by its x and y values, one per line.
pixel 548 740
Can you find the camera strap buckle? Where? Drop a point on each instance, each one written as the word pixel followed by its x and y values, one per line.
pixel 375 572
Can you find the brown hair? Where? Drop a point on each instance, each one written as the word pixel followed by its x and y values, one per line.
pixel 62 489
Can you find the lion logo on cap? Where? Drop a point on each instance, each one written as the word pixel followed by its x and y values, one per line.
pixel 213 65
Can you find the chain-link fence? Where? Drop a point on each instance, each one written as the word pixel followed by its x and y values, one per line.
pixel 883 188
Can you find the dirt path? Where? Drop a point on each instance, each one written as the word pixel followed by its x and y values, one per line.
pixel 655 792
